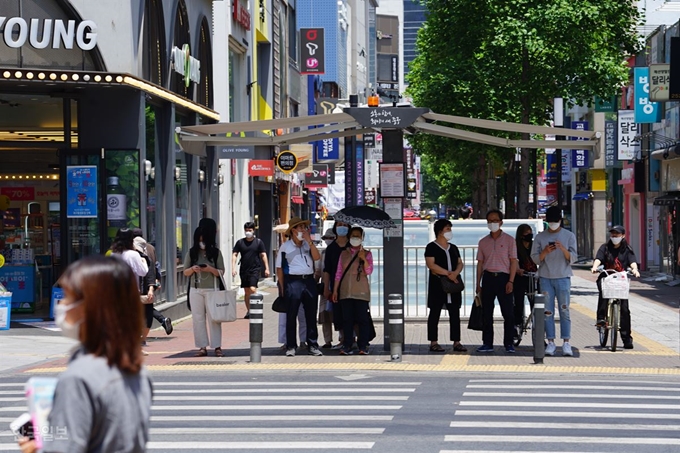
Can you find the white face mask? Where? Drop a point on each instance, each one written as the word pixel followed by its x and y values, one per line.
pixel 249 234
pixel 553 225
pixel 201 245
pixel 68 329
pixel 616 241
pixel 448 235
pixel 355 242
pixel 493 226
pixel 300 235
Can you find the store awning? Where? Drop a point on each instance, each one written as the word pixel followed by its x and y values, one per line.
pixel 667 199
pixel 581 196
pixel 297 199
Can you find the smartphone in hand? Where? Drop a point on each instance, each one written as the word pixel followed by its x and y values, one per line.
pixel 22 426
pixel 205 265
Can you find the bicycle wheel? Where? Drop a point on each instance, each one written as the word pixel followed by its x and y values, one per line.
pixel 602 330
pixel 615 325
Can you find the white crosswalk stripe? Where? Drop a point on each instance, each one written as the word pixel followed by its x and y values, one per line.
pixel 556 415
pixel 219 416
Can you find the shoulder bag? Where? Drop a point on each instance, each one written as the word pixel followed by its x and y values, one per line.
pixel 221 303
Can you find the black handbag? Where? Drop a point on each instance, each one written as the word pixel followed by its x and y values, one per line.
pixel 449 286
pixel 280 305
pixel 476 321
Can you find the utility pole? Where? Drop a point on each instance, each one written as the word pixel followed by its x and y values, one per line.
pixel 558 119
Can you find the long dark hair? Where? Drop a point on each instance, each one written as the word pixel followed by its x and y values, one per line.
pixel 113 320
pixel 123 241
pixel 207 229
pixel 523 254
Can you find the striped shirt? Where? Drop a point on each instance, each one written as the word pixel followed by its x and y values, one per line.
pixel 496 254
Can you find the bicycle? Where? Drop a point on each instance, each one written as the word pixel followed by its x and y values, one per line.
pixel 526 320
pixel 615 287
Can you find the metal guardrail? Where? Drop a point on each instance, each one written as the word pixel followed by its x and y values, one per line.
pixel 416 277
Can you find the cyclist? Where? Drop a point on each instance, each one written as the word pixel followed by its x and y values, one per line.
pixel 524 237
pixel 618 255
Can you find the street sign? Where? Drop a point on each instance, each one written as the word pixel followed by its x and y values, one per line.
pixel 286 161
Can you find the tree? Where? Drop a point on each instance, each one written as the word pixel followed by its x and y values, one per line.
pixel 507 60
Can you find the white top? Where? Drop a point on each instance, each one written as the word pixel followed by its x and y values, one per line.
pixel 299 260
pixel 136 262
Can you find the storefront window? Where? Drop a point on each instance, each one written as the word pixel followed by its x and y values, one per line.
pixel 184 239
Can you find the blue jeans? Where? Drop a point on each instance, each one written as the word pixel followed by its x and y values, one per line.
pixel 560 288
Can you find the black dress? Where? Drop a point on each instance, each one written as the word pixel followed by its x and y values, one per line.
pixel 437 298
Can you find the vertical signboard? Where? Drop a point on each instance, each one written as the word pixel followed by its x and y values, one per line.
pixel 646 111
pixel 312 57
pixel 81 191
pixel 659 82
pixel 629 143
pixel 551 178
pixel 610 142
pixel 359 153
pixel 579 157
pixel 675 69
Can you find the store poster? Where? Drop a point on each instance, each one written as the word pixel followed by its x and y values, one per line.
pixel 122 190
pixel 81 192
pixel 20 281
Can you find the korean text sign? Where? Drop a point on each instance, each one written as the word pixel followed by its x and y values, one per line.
pixel 81 191
pixel 629 143
pixel 646 111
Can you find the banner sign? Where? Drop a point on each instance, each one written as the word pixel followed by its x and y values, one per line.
pixel 646 111
pixel 19 193
pixel 359 154
pixel 327 149
pixel 629 146
pixel 579 157
pixel 318 177
pixel 610 143
pixel 659 82
pixel 312 51
pixel 261 168
pixel 81 191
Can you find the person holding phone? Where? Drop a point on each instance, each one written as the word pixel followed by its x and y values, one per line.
pixel 353 290
pixel 102 401
pixel 554 251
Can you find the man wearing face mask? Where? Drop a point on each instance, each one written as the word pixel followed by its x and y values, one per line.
pixel 253 258
pixel 615 254
pixel 554 251
pixel 496 268
pixel 295 272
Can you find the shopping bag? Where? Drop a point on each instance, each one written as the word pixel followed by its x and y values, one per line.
pixel 476 321
pixel 221 304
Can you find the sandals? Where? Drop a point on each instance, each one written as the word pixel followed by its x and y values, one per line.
pixel 218 352
pixel 436 348
pixel 459 348
pixel 201 353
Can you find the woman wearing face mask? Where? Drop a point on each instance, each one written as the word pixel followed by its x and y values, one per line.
pixel 325 305
pixel 443 260
pixel 618 255
pixel 203 265
pixel 352 290
pixel 330 267
pixel 524 237
pixel 103 399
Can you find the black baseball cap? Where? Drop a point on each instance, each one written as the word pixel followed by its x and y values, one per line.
pixel 618 228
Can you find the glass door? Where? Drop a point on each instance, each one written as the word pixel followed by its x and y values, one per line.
pixel 83 213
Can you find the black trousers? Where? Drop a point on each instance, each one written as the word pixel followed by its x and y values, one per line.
pixel 301 291
pixel 355 311
pixel 521 287
pixel 493 287
pixel 433 320
pixel 603 304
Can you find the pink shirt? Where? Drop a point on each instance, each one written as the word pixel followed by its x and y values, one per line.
pixel 496 254
pixel 368 265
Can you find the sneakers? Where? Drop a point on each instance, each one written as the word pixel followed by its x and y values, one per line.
pixel 485 348
pixel 510 349
pixel 628 344
pixel 344 351
pixel 363 352
pixel 337 346
pixel 566 349
pixel 314 350
pixel 167 325
pixel 290 352
pixel 550 349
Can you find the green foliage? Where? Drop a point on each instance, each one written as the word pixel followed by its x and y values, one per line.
pixel 506 60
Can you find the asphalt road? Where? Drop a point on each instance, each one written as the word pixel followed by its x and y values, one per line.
pixel 394 412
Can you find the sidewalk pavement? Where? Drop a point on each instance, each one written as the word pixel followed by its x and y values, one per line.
pixel 655 319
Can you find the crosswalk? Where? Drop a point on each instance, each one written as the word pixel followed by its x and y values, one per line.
pixel 553 415
pixel 297 414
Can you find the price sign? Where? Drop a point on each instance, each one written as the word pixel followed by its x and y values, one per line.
pixel 286 161
pixel 19 193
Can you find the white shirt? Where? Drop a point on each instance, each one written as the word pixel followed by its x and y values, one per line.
pixel 136 262
pixel 299 260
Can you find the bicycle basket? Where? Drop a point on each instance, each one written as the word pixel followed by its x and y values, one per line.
pixel 616 286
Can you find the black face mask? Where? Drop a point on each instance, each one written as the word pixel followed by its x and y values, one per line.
pixel 528 237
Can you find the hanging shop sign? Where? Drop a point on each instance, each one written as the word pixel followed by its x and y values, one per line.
pixel 186 65
pixel 44 33
pixel 318 177
pixel 81 191
pixel 286 161
pixel 610 142
pixel 239 12
pixel 261 168
pixel 312 53
pixel 629 143
pixel 646 111
pixel 579 157
pixel 659 82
